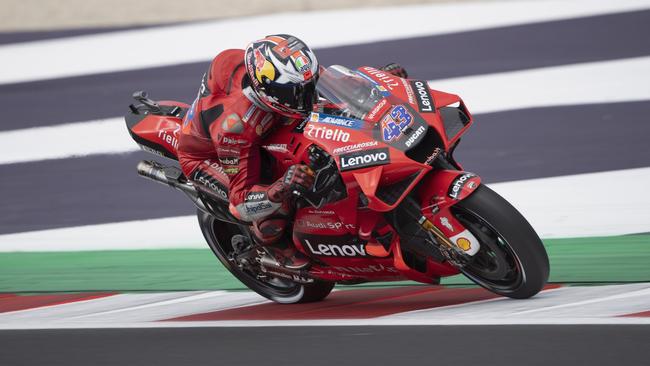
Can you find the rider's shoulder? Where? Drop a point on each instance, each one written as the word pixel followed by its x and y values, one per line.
pixel 223 73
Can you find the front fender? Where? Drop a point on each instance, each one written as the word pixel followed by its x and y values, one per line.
pixel 445 188
pixel 440 190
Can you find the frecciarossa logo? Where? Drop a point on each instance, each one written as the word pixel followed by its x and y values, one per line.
pixel 364 159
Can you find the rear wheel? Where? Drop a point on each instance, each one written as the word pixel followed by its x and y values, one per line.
pixel 281 290
pixel 512 260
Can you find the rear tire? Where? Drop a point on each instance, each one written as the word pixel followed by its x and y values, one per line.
pixel 512 260
pixel 218 234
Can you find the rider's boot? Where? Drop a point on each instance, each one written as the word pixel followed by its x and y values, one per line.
pixel 379 236
pixel 281 252
pixel 240 243
pixel 288 255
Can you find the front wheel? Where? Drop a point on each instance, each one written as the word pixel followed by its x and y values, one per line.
pixel 512 260
pixel 218 235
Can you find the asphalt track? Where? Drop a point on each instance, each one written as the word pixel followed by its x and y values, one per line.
pixel 528 143
pixel 367 345
pixel 493 50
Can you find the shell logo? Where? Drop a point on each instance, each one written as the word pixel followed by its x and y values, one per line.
pixel 464 244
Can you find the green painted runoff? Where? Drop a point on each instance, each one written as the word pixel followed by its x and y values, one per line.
pixel 602 259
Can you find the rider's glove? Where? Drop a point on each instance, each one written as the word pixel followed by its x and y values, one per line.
pixel 298 177
pixel 396 69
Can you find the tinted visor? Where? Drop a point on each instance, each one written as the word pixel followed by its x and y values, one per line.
pixel 298 97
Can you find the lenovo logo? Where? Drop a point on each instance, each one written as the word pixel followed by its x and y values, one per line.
pixel 365 159
pixel 332 250
pixel 425 102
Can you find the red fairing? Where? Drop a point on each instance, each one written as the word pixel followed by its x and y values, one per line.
pixel 223 137
pixel 420 96
pixel 160 133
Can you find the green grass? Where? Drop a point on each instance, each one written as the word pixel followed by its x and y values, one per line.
pixel 604 259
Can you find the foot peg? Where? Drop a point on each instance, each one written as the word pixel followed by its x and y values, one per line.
pixel 141 96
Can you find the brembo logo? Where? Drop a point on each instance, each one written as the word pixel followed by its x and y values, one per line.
pixel 458 184
pixel 365 159
pixel 425 102
pixel 414 136
pixel 332 250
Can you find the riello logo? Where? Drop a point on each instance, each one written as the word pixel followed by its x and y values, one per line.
pixel 326 133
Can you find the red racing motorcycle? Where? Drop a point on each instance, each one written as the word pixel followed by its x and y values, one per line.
pixel 389 201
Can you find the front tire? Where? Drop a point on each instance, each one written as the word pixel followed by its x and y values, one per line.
pixel 218 235
pixel 512 260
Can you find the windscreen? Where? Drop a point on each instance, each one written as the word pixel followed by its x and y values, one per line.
pixel 355 94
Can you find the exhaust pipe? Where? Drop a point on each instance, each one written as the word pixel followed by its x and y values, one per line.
pixel 173 177
pixel 153 171
pixel 169 176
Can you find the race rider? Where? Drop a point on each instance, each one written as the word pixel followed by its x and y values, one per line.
pixel 243 95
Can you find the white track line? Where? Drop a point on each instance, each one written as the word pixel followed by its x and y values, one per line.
pixel 644 293
pixel 572 206
pixel 178 44
pixel 138 307
pixel 162 306
pixel 179 232
pixel 616 81
pixel 586 83
pixel 555 207
pixel 565 302
pixel 107 136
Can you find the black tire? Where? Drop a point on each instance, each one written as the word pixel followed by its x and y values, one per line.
pixel 218 234
pixel 512 260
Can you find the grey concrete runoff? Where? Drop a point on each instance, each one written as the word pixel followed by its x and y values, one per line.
pixel 495 345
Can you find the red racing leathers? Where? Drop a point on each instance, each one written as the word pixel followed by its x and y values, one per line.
pixel 219 148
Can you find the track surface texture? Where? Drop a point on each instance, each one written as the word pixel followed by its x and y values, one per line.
pixel 531 345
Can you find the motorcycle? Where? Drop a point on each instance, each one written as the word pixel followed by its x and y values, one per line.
pixel 389 201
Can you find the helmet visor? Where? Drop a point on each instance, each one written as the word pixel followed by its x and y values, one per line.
pixel 296 97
